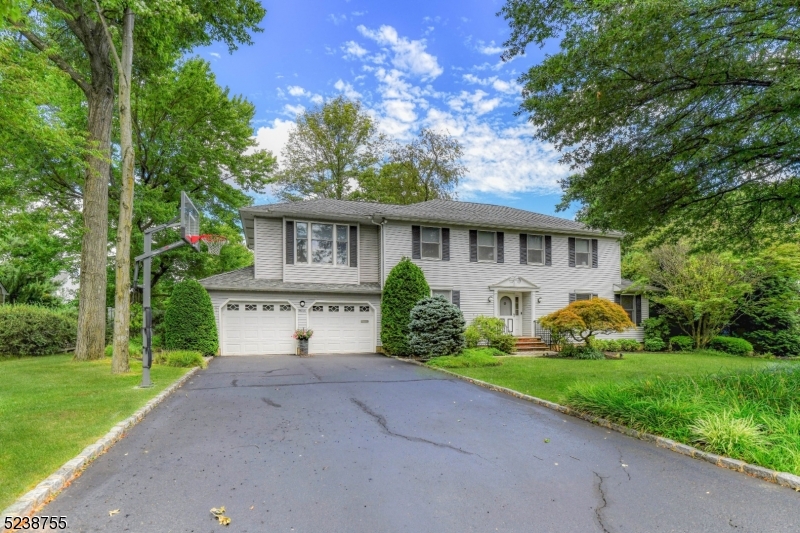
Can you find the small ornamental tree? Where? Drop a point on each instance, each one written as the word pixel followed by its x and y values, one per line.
pixel 436 328
pixel 189 319
pixel 405 286
pixel 583 319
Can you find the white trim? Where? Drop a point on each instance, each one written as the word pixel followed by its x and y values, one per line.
pixel 308 261
pixel 358 252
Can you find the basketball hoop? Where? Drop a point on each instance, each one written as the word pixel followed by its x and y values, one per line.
pixel 214 243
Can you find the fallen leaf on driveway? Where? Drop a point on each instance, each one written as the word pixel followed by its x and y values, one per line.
pixel 219 514
pixel 112 513
pixel 546 441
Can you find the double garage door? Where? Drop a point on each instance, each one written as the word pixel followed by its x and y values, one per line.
pixel 254 328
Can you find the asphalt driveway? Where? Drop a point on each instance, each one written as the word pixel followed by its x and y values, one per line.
pixel 357 443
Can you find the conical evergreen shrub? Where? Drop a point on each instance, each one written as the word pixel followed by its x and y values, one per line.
pixel 436 328
pixel 189 319
pixel 405 286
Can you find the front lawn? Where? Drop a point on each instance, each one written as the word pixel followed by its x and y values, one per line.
pixel 51 408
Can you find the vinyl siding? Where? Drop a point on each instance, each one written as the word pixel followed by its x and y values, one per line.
pixel 268 248
pixel 368 262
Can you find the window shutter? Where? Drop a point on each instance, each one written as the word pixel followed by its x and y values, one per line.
pixel 571 297
pixel 548 253
pixel 289 242
pixel 501 247
pixel 638 309
pixel 473 246
pixel 415 240
pixel 523 248
pixel 456 296
pixel 445 244
pixel 354 246
pixel 594 253
pixel 618 299
pixel 594 295
pixel 571 251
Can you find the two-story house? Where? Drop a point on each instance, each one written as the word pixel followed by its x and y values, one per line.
pixel 321 264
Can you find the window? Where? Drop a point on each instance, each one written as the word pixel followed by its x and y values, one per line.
pixel 329 243
pixel 349 308
pixel 583 296
pixel 431 243
pixel 250 307
pixel 447 295
pixel 628 303
pixel 535 250
pixel 485 246
pixel 333 308
pixel 269 307
pixel 232 307
pixel 316 308
pixel 364 308
pixel 583 249
pixel 341 245
pixel 302 242
pixel 322 243
pixel 286 307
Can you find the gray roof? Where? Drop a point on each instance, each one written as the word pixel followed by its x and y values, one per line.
pixel 435 211
pixel 244 280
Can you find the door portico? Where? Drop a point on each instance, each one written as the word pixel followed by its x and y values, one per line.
pixel 508 303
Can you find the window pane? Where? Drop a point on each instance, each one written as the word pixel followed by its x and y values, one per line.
pixel 302 230
pixel 322 232
pixel 302 250
pixel 583 296
pixel 486 238
pixel 341 253
pixel 535 242
pixel 322 251
pixel 341 233
pixel 485 253
pixel 582 245
pixel 582 259
pixel 445 294
pixel 430 250
pixel 535 256
pixel 430 234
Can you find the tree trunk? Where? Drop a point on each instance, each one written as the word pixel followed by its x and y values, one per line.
pixel 122 296
pixel 94 254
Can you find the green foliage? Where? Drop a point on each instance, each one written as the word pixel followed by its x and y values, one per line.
pixel 724 433
pixel 731 345
pixel 681 343
pixel 189 320
pixel 661 90
pixel 590 353
pixel 469 358
pixel 34 330
pixel 472 336
pixel 655 327
pixel 405 286
pixel 184 358
pixel 654 344
pixel 135 350
pixel 489 331
pixel 607 345
pixel 582 319
pixel 436 328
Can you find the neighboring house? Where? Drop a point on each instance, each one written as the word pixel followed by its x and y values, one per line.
pixel 321 264
pixel 3 294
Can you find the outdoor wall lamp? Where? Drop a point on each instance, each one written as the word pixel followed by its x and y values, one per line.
pixel 491 299
pixel 539 300
pixel 302 303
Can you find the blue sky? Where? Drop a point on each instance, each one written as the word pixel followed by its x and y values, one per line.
pixel 413 64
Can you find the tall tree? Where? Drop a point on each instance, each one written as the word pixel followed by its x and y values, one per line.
pixel 328 150
pixel 670 112
pixel 432 162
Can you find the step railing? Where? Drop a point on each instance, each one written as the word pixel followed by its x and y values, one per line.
pixel 551 339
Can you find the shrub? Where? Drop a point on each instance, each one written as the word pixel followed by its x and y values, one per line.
pixel 681 343
pixel 470 358
pixel 731 345
pixel 184 358
pixel 134 349
pixel 491 331
pixel 654 344
pixel 582 352
pixel 405 286
pixel 582 319
pixel 723 432
pixel 630 345
pixel 34 330
pixel 189 319
pixel 472 336
pixel 655 328
pixel 436 328
pixel 607 345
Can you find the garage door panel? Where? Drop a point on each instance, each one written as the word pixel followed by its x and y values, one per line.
pixel 342 328
pixel 258 328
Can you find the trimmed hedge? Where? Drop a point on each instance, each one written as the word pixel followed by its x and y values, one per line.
pixel 34 330
pixel 189 320
pixel 654 344
pixel 731 345
pixel 681 343
pixel 617 345
pixel 405 286
pixel 436 328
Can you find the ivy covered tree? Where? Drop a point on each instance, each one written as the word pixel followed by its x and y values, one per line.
pixel 189 319
pixel 583 319
pixel 405 286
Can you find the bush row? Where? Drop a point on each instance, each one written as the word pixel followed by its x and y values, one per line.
pixel 617 345
pixel 34 330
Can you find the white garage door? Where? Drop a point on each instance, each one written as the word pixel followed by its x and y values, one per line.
pixel 250 328
pixel 341 328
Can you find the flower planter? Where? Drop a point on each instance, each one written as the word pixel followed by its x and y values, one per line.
pixel 302 347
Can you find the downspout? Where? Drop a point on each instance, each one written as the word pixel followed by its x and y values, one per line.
pixel 380 221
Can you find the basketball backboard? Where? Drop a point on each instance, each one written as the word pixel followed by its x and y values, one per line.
pixel 190 222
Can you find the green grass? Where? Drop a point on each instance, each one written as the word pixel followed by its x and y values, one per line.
pixel 52 407
pixel 469 358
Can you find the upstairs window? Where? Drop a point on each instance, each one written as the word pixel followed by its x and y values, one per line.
pixel 302 242
pixel 583 252
pixel 322 244
pixel 535 249
pixel 341 245
pixel 431 247
pixel 486 246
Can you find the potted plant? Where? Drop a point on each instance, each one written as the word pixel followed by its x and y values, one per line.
pixel 302 336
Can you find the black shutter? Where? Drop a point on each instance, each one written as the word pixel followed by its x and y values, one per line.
pixel 289 242
pixel 548 250
pixel 445 244
pixel 594 253
pixel 571 297
pixel 354 246
pixel 473 246
pixel 571 251
pixel 415 246
pixel 638 309
pixel 501 247
pixel 457 298
pixel 523 248
pixel 617 299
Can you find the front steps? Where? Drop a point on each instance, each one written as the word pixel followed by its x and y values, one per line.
pixel 529 345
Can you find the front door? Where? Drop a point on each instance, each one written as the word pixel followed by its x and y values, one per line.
pixel 508 308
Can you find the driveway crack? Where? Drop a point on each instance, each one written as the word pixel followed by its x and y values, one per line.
pixel 381 420
pixel 598 511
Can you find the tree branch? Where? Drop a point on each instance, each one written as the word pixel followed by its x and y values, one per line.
pixel 111 42
pixel 55 58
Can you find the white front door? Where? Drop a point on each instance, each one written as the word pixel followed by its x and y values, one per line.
pixel 341 327
pixel 509 309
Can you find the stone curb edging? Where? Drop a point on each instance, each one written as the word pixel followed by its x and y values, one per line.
pixel 784 479
pixel 28 503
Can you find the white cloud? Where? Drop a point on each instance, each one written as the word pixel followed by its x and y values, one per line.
pixel 317 99
pixel 215 54
pixel 293 110
pixel 506 87
pixel 401 110
pixel 358 13
pixel 274 137
pixel 295 90
pixel 347 90
pixel 337 19
pixel 353 50
pixel 489 49
pixel 479 104
pixel 409 55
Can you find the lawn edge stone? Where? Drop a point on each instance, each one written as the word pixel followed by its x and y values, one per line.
pixel 31 501
pixel 784 479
